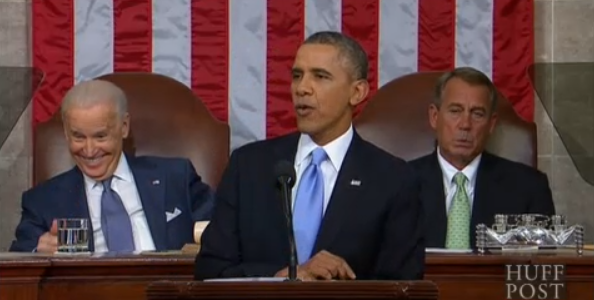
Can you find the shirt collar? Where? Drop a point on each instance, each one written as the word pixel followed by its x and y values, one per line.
pixel 449 171
pixel 122 172
pixel 336 150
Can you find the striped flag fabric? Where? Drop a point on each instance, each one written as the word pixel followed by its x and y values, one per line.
pixel 236 55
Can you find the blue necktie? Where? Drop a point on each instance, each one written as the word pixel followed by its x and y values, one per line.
pixel 115 222
pixel 309 206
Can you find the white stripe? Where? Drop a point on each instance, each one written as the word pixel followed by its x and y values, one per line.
pixel 247 71
pixel 172 38
pixel 398 39
pixel 93 39
pixel 323 15
pixel 474 34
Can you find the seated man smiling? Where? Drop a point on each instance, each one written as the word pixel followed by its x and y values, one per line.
pixel 132 203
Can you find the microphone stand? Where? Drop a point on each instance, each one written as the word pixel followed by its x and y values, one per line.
pixel 293 250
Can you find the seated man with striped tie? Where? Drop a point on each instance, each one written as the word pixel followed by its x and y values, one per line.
pixel 132 203
pixel 462 184
pixel 356 208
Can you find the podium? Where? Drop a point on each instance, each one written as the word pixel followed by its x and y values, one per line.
pixel 368 290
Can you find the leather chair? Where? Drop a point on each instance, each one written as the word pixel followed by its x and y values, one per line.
pixel 166 120
pixel 397 120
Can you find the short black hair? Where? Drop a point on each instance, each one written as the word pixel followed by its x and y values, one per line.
pixel 348 47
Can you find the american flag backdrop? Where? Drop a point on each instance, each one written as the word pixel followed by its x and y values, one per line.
pixel 236 54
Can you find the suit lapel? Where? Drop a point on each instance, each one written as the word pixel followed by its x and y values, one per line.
pixel 435 204
pixel 485 192
pixel 343 196
pixel 75 199
pixel 151 189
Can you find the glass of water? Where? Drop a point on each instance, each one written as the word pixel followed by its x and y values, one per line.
pixel 73 235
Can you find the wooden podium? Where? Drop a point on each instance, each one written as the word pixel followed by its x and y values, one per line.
pixel 368 290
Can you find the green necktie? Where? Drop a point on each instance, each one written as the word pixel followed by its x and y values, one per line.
pixel 459 217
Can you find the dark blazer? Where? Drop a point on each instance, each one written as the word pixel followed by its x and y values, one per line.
pixel 374 226
pixel 163 185
pixel 502 187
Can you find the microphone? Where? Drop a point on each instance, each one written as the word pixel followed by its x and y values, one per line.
pixel 285 177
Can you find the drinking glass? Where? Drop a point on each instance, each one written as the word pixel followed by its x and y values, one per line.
pixel 73 235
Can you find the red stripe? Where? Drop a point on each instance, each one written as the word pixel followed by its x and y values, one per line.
pixel 53 35
pixel 210 54
pixel 360 20
pixel 437 38
pixel 133 36
pixel 285 35
pixel 513 53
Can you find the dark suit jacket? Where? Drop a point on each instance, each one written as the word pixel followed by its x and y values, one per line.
pixel 163 184
pixel 375 227
pixel 502 187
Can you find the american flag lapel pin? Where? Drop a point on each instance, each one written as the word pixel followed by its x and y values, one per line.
pixel 356 182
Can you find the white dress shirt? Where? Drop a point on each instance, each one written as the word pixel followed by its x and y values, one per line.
pixel 335 150
pixel 123 184
pixel 449 184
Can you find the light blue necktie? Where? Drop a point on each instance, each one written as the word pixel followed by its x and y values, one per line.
pixel 309 206
pixel 115 222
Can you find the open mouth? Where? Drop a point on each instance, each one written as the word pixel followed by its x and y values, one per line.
pixel 91 161
pixel 303 109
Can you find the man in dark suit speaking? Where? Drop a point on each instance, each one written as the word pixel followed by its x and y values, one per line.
pixel 356 208
pixel 132 203
pixel 462 184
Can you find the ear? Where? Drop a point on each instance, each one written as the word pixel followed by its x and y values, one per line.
pixel 65 127
pixel 126 125
pixel 433 114
pixel 360 91
pixel 492 122
pixel 66 135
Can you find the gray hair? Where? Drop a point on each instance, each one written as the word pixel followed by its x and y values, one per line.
pixel 93 92
pixel 471 76
pixel 347 47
